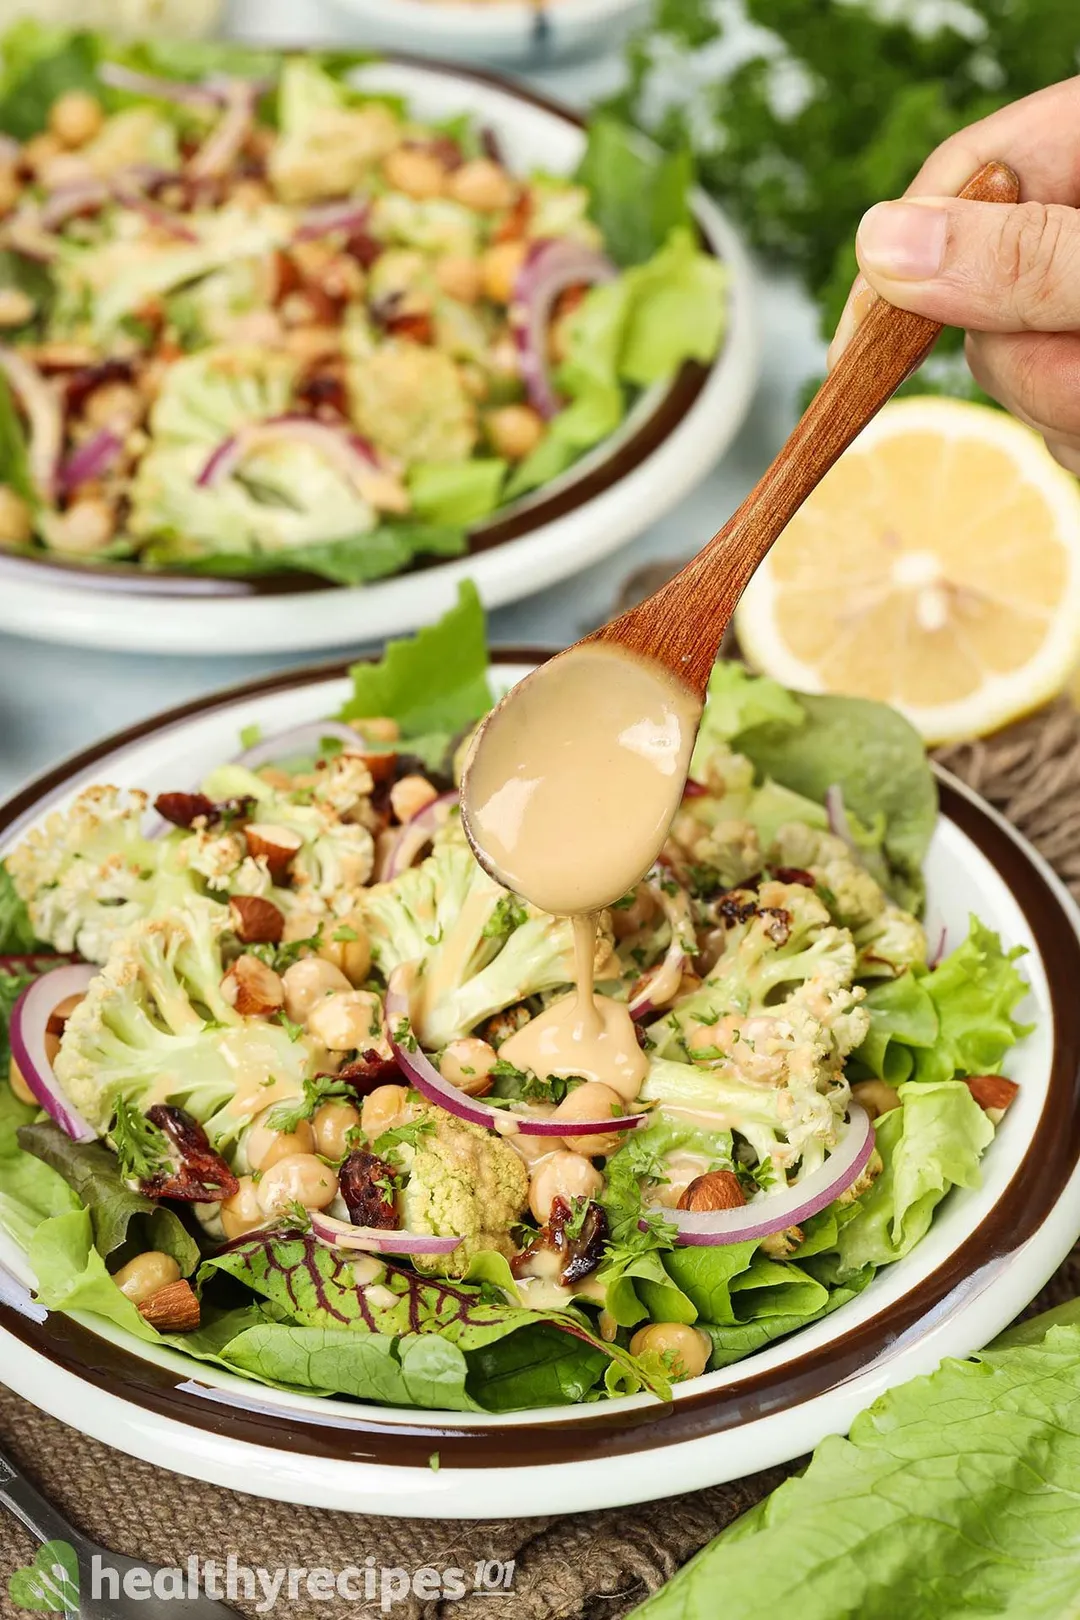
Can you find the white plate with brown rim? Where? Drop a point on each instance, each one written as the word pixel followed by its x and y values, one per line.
pixel 670 440
pixel 988 1252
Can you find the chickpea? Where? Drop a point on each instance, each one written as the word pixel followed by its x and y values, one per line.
pixel 593 1100
pixel 348 1021
pixel 86 526
pixel 459 277
pixel 876 1096
pixel 381 1109
pixel 351 955
pixel 146 1274
pixel 705 1041
pixel 17 1082
pixel 687 1347
pixel 10 189
pixel 563 1175
pixel 16 307
pixel 65 169
pixel 483 186
pixel 417 173
pixel 378 728
pixel 331 1125
pixel 297 1178
pixel 627 920
pixel 310 981
pixel 298 924
pixel 467 1064
pixel 499 270
pixel 514 431
pixel 16 518
pixel 411 795
pixel 242 1212
pixel 265 1146
pixel 76 117
pixel 40 150
pixel 117 406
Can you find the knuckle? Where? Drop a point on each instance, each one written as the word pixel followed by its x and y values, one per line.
pixel 1031 257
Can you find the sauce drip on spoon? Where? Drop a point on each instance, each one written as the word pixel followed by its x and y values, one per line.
pixel 567 797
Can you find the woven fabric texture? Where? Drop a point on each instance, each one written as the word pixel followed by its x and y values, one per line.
pixel 594 1566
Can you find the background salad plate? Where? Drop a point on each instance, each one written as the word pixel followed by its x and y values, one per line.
pixel 988 1252
pixel 529 33
pixel 671 438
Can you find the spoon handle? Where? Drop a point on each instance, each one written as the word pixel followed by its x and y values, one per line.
pixel 682 626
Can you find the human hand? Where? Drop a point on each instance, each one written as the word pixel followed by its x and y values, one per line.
pixel 1010 275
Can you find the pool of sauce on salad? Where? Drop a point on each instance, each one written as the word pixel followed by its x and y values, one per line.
pixel 568 795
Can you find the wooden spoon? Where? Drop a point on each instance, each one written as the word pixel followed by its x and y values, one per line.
pixel 537 777
pixel 681 625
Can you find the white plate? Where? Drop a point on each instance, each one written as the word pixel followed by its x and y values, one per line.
pixel 670 442
pixel 530 33
pixel 987 1254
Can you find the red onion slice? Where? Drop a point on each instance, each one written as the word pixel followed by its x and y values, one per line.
pixel 222 146
pixel 661 984
pixel 44 416
pixel 92 460
pixel 551 267
pixel 29 1021
pixel 299 741
pixel 776 1213
pixel 423 1074
pixel 118 77
pixel 374 1240
pixel 72 199
pixel 416 834
pixel 329 217
pixel 351 454
pixel 154 213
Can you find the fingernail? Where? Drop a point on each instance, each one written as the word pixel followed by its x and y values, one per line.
pixel 861 299
pixel 903 240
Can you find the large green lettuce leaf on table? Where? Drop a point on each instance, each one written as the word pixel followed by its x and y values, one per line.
pixel 954 1496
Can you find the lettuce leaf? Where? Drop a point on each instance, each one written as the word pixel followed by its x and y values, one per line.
pixel 638 194
pixel 456 492
pixel 903 1020
pixel 933 1142
pixel 355 560
pixel 434 683
pixel 72 1275
pixel 954 1496
pixel 17 936
pixel 974 992
pixel 122 1220
pixel 14 452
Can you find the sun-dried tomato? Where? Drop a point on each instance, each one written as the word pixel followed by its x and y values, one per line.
pixel 199 1175
pixel 368 1072
pixel 367 1186
pixel 580 1252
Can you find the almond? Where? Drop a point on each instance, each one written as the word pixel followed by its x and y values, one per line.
pixel 173 1309
pixel 255 920
pixel 275 845
pixel 383 767
pixel 992 1091
pixel 719 1189
pixel 254 989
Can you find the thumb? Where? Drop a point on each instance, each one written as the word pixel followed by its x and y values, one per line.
pixel 989 267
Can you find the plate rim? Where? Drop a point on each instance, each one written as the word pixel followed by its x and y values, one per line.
pixel 830 1384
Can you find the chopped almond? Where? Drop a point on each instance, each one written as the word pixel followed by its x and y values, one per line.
pixel 992 1091
pixel 254 989
pixel 255 920
pixel 275 845
pixel 719 1189
pixel 173 1309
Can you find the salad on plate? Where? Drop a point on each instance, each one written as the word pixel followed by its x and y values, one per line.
pixel 263 1106
pixel 256 318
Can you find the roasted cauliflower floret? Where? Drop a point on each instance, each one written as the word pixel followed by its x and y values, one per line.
pixel 411 403
pixel 156 1025
pixel 329 146
pixel 892 942
pixel 852 895
pixel 88 873
pixel 466 1181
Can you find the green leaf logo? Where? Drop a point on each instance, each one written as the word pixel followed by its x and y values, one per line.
pixel 51 1583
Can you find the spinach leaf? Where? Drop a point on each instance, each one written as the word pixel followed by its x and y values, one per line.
pixel 638 194
pixel 37 64
pixel 358 560
pixel 17 936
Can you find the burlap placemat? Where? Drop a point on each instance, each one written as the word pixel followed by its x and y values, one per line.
pixel 578 1567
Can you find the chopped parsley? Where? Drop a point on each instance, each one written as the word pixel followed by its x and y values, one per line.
pixel 508 914
pixel 344 934
pixel 250 735
pixel 294 1031
pixel 142 1148
pixel 404 1036
pixel 324 1088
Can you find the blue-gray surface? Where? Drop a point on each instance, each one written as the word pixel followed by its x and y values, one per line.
pixel 55 699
